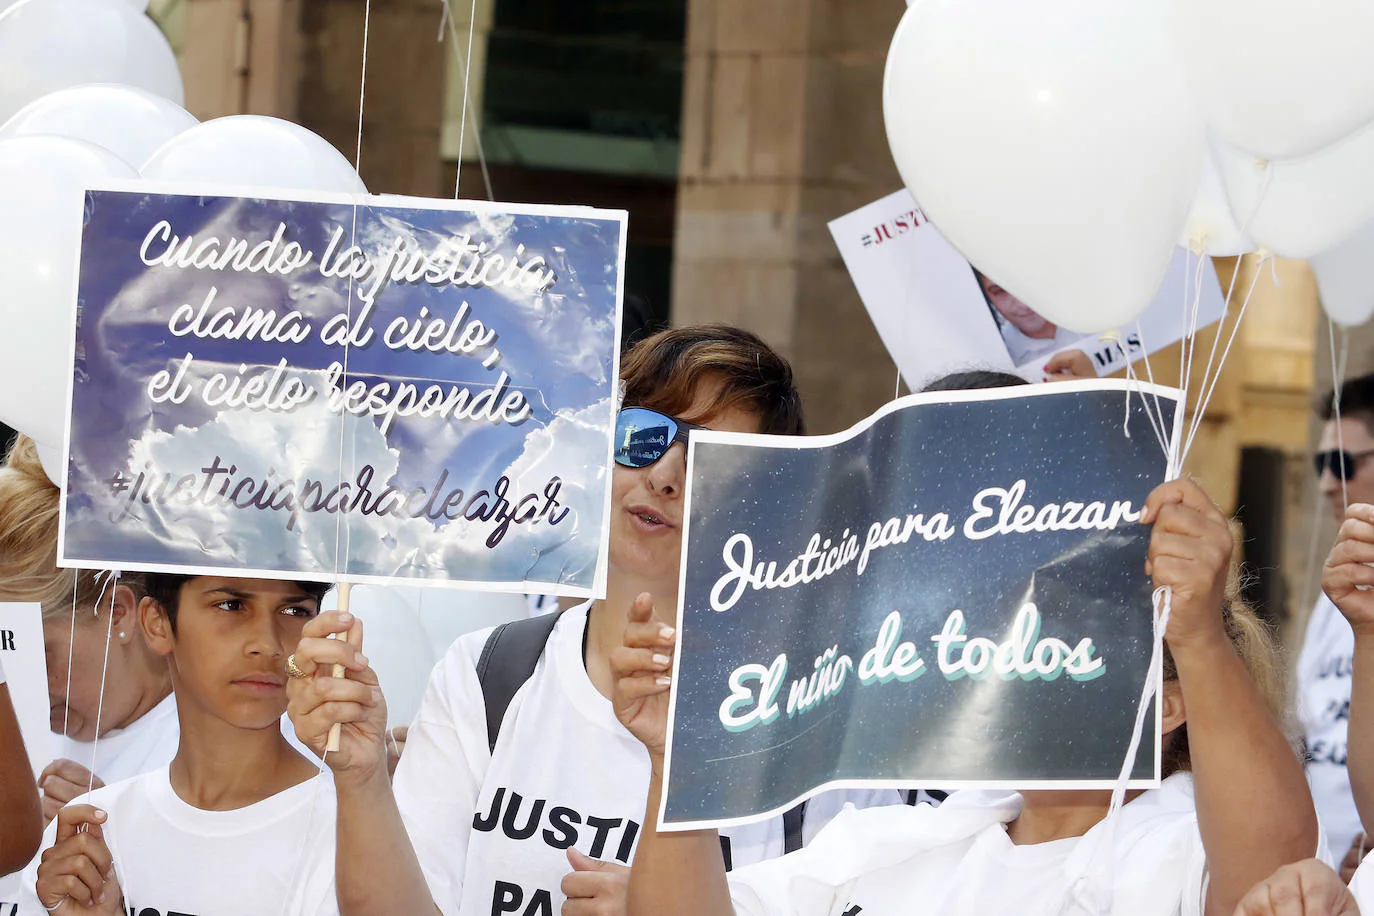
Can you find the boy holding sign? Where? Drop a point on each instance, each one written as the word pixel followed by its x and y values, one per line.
pixel 236 823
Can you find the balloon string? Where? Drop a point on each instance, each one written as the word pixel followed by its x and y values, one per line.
pixel 1211 389
pixel 467 94
pixel 1216 338
pixel 71 651
pixel 1133 384
pixel 1150 374
pixel 468 116
pixel 111 576
pixel 1191 305
pixel 362 89
pixel 1337 384
pixel 1183 326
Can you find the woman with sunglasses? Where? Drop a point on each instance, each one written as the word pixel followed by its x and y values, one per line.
pixel 546 820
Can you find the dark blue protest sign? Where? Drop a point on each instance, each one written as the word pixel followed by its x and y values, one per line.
pixel 950 594
pixel 328 388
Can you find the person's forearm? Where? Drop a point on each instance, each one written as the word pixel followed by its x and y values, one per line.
pixel 1360 729
pixel 21 828
pixel 1254 808
pixel 676 874
pixel 376 869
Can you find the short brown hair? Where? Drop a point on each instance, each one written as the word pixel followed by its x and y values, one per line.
pixel 1357 402
pixel 662 373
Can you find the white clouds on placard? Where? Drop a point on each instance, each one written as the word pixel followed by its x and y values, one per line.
pixel 311 445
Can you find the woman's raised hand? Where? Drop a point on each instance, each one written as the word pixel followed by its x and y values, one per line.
pixel 642 668
pixel 1190 552
pixel 318 701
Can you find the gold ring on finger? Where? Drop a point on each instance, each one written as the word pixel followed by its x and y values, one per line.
pixel 292 669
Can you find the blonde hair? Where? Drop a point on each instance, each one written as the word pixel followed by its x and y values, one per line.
pixel 29 508
pixel 1253 641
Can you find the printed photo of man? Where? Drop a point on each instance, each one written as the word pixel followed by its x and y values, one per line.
pixel 1029 336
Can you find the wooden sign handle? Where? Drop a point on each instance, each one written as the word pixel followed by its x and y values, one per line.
pixel 345 591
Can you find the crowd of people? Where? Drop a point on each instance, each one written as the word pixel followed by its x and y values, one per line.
pixel 530 778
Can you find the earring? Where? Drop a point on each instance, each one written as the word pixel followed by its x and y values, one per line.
pixel 121 634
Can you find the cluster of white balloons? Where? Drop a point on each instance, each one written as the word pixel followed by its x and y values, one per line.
pixel 1067 146
pixel 90 95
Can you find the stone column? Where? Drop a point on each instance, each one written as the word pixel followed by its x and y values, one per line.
pixel 782 131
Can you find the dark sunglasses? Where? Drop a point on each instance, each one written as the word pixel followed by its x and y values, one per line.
pixel 642 436
pixel 1341 463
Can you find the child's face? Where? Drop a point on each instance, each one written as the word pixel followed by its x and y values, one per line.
pixel 232 639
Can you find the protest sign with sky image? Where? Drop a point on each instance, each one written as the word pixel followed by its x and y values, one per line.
pixel 951 594
pixel 408 389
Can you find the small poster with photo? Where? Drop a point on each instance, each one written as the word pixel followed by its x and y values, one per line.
pixel 936 313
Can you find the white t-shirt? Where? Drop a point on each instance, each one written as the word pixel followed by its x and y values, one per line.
pixel 1362 885
pixel 276 856
pixel 491 830
pixel 957 860
pixel 1324 673
pixel 148 743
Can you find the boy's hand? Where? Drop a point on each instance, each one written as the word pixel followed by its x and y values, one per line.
pixel 1190 552
pixel 1348 576
pixel 595 888
pixel 77 874
pixel 642 670
pixel 61 781
pixel 319 700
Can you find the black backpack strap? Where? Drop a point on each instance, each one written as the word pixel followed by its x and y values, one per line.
pixel 793 819
pixel 508 660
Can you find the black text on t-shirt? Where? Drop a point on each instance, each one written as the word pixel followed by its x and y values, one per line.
pixel 521 819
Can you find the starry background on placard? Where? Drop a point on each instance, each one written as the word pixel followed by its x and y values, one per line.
pixel 929 458
pixel 559 346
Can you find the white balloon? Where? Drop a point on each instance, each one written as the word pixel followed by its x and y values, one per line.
pixel 1280 78
pixel 1298 207
pixel 47 45
pixel 51 458
pixel 254 151
pixel 1211 228
pixel 1345 278
pixel 42 184
pixel 1053 143
pixel 129 122
pixel 448 613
